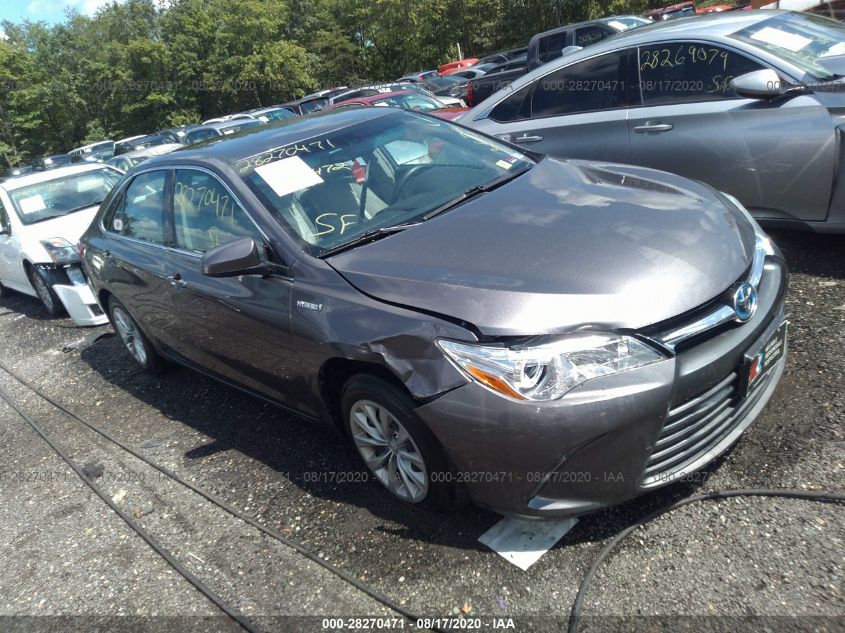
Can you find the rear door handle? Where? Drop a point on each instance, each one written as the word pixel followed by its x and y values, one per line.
pixel 653 127
pixel 176 281
pixel 529 138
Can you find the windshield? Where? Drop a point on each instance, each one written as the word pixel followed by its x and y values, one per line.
pixel 391 170
pixel 802 39
pixel 442 82
pixel 417 102
pixel 312 106
pixel 63 195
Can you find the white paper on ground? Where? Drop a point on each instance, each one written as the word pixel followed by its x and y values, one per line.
pixel 288 175
pixel 523 541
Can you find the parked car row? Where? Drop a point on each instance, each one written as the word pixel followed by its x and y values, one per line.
pixel 481 320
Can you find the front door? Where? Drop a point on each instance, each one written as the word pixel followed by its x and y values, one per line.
pixel 237 327
pixel 775 157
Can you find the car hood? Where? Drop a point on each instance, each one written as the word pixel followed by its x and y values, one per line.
pixel 566 245
pixel 70 227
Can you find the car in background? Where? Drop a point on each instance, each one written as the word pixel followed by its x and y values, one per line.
pixel 502 57
pixel 20 170
pixel 314 102
pixel 741 100
pixel 451 67
pixel 475 309
pixel 205 132
pixel 375 89
pixel 475 72
pixel 94 152
pixel 42 216
pixel 127 161
pixel 455 87
pixel 142 142
pixel 52 162
pixel 180 132
pixel 416 77
pixel 407 100
pixel 549 45
pixel 265 115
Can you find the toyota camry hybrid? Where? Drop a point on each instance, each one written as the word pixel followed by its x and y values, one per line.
pixel 544 337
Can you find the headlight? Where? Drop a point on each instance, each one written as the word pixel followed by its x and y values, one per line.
pixel 548 371
pixel 455 91
pixel 60 251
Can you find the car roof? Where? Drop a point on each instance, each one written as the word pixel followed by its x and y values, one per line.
pixel 258 139
pixel 16 182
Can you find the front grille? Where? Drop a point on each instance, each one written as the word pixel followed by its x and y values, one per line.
pixel 692 429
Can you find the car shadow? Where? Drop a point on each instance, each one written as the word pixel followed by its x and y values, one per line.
pixel 32 308
pixel 811 253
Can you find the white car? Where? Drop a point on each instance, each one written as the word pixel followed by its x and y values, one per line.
pixel 42 217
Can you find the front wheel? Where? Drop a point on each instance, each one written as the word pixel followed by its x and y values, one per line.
pixel 136 342
pixel 45 292
pixel 395 445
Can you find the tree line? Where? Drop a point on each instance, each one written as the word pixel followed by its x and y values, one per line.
pixel 141 65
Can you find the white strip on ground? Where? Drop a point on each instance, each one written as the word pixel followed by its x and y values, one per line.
pixel 523 541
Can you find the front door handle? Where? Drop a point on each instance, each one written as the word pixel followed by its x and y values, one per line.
pixel 176 281
pixel 653 127
pixel 529 138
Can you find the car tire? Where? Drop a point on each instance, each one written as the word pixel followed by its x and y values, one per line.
pixel 135 341
pixel 44 290
pixel 4 291
pixel 408 461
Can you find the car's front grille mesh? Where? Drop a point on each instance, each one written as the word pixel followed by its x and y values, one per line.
pixel 692 429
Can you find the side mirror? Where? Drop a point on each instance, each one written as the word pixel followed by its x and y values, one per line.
pixel 759 84
pixel 238 257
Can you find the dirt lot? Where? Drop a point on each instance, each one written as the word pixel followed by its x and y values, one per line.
pixel 774 564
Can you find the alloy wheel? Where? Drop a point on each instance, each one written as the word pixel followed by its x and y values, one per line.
pixel 130 335
pixel 389 450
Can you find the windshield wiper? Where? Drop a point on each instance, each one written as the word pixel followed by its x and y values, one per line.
pixel 367 236
pixel 472 192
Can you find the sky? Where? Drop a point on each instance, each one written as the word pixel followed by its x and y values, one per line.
pixel 50 11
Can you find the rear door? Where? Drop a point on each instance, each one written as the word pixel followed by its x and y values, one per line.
pixel 578 111
pixel 236 327
pixel 775 156
pixel 131 257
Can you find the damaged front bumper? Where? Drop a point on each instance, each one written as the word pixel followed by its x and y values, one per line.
pixel 72 288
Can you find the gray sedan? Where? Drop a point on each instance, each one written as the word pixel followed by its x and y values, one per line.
pixel 547 337
pixel 748 102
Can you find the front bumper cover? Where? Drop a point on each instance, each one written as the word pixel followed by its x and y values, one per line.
pixel 590 449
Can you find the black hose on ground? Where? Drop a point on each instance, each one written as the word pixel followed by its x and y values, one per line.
pixel 575 613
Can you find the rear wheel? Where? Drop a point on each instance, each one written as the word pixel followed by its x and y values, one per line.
pixel 45 292
pixel 136 342
pixel 395 444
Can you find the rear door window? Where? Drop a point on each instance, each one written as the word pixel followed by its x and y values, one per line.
pixel 593 84
pixel 140 212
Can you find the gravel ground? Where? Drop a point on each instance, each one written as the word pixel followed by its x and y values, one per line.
pixel 758 562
